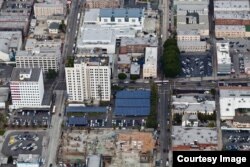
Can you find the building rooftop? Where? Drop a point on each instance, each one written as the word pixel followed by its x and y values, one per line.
pixel 10 39
pixel 151 56
pixel 97 36
pixel 189 135
pixel 77 121
pixel 93 161
pixel 124 59
pixel 54 26
pixel 93 61
pixel 231 5
pixel 25 74
pixel 230 28
pixel 239 15
pixel 223 56
pixel 135 69
pixel 150 41
pixel 85 109
pixel 91 16
pixel 122 12
pixel 5 71
pixel 28 158
pixel 242 119
pixel 4 94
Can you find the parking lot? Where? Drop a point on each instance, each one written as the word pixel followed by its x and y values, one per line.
pixel 22 143
pixel 236 140
pixel 27 118
pixel 196 65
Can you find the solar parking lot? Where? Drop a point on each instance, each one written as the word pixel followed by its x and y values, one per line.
pixel 236 140
pixel 30 118
pixel 22 143
pixel 196 65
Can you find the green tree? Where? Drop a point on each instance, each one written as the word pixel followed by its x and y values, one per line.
pixel 51 74
pixel 3 120
pixel 134 77
pixel 62 26
pixel 213 92
pixel 122 76
pixel 177 118
pixel 10 160
pixel 152 118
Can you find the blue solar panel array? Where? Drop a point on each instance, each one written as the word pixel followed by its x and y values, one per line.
pixel 77 121
pixel 132 103
pixel 134 94
pixel 85 109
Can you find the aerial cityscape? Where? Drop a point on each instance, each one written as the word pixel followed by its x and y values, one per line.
pixel 122 83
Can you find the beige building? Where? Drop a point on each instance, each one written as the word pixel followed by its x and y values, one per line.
pixel 150 66
pixel 231 31
pixel 103 3
pixel 48 9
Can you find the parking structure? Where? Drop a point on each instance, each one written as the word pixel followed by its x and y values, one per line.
pixel 23 143
pixel 28 118
pixel 236 140
pixel 196 64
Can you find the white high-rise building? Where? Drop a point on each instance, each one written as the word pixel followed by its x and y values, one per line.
pixel 27 87
pixel 88 79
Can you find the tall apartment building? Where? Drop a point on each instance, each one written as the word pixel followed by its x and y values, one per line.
pixel 49 9
pixel 150 66
pixel 89 79
pixel 223 59
pixel 27 87
pixel 103 3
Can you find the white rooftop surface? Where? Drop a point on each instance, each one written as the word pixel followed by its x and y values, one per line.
pixel 192 43
pixel 230 28
pixel 9 39
pixel 200 8
pixel 247 62
pixel 241 15
pixel 191 32
pixel 4 94
pixel 91 15
pixel 151 56
pixel 231 4
pixel 32 43
pixel 223 56
pixel 190 2
pixel 186 135
pixel 135 69
pixel 97 35
pixel 232 98
pixel 190 104
pixel 28 158
pixel 124 59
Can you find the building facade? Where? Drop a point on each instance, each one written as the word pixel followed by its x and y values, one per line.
pixel 89 79
pixel 48 9
pixel 27 87
pixel 103 3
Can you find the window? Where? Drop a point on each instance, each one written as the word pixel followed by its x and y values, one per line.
pixel 105 20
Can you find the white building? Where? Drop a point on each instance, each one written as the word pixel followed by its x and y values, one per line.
pixel 232 5
pixel 28 160
pixel 39 57
pixel 49 9
pixel 91 38
pixel 27 87
pixel 232 98
pixel 230 31
pixel 89 79
pixel 10 42
pixel 33 43
pixel 223 59
pixel 190 120
pixel 150 65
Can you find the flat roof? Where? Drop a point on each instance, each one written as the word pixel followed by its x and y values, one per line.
pixel 239 15
pixel 231 4
pixel 71 109
pixel 230 28
pixel 97 36
pixel 133 94
pixel 35 74
pixel 186 135
pixel 91 15
pixel 4 94
pixel 124 59
pixel 77 121
pixel 135 69
pixel 150 41
pixel 151 56
pixel 223 56
pixel 122 12
pixel 28 158
pixel 93 161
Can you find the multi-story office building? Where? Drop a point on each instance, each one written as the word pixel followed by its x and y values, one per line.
pixel 223 59
pixel 88 79
pixel 49 9
pixel 150 66
pixel 103 3
pixel 27 87
pixel 40 57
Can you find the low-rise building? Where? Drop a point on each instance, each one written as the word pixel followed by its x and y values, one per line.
pixel 103 3
pixel 135 69
pixel 137 45
pixel 10 43
pixel 223 59
pixel 27 87
pixel 150 65
pixel 190 120
pixel 53 28
pixel 232 100
pixel 32 160
pixel 4 96
pixel 241 122
pixel 230 31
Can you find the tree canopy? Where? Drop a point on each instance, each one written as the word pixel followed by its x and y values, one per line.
pixel 122 76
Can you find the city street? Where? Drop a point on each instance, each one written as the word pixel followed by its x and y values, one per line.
pixel 163 119
pixel 54 131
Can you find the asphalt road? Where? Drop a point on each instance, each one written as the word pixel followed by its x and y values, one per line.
pixel 54 131
pixel 164 7
pixel 163 117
